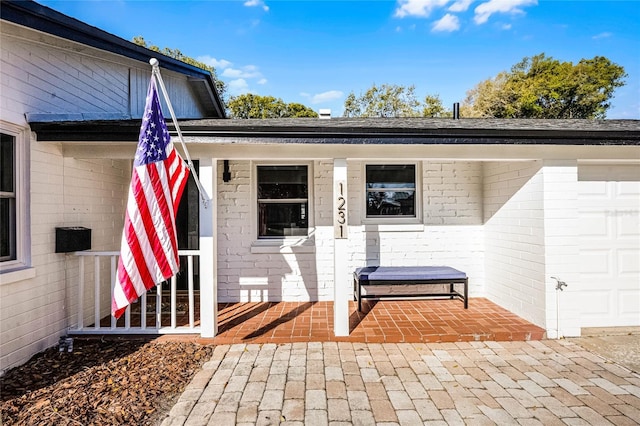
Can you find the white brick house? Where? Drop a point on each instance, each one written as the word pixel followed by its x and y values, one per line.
pixel 512 203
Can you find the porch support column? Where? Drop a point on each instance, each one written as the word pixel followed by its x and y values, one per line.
pixel 208 250
pixel 340 252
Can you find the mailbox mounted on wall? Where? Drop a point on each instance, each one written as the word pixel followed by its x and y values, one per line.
pixel 72 238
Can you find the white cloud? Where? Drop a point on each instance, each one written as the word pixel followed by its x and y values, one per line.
pixel 257 3
pixel 328 96
pixel 506 27
pixel 237 87
pixel 447 23
pixel 484 11
pixel 248 71
pixel 421 8
pixel 213 62
pixel 460 6
pixel 262 81
pixel 602 35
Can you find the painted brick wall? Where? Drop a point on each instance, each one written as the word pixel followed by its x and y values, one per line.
pixel 451 235
pixel 514 237
pixel 64 192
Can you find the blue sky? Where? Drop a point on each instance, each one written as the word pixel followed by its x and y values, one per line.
pixel 317 52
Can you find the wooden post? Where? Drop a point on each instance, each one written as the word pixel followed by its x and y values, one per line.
pixel 208 250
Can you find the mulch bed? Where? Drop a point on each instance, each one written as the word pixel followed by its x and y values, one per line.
pixel 104 381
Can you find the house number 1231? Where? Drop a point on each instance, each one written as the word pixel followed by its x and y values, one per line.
pixel 340 214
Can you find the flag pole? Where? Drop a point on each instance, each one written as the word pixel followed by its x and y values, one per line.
pixel 155 70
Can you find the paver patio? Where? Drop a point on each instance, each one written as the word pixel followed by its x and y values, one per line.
pixel 404 363
pixel 544 382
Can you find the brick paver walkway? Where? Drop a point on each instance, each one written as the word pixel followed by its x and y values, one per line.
pixel 543 382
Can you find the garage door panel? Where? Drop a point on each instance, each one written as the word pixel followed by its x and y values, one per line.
pixel 596 261
pixel 629 302
pixel 628 224
pixel 629 264
pixel 594 224
pixel 595 191
pixel 628 190
pixel 599 303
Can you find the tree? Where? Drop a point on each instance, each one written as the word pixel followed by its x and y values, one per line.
pixel 432 107
pixel 391 100
pixel 221 87
pixel 544 87
pixel 255 106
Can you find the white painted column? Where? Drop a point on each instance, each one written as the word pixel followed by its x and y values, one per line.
pixel 341 282
pixel 561 248
pixel 208 250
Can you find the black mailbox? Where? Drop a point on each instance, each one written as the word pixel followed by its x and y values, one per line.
pixel 73 238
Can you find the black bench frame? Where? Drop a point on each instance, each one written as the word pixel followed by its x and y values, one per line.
pixel 358 283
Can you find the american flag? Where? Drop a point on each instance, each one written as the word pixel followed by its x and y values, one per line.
pixel 149 249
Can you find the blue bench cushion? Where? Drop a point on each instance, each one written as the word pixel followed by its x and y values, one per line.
pixel 408 273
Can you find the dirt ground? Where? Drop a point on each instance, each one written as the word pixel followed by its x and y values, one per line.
pixel 104 381
pixel 623 349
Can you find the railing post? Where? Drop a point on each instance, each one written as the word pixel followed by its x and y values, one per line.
pixel 174 301
pixel 81 293
pixel 112 284
pixel 190 287
pixel 96 292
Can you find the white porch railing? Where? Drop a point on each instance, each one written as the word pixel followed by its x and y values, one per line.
pixel 103 290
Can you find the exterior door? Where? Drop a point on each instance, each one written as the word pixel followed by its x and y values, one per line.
pixel 188 231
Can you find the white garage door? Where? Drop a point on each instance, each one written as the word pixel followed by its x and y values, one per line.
pixel 609 214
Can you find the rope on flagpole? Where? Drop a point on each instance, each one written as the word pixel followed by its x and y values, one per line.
pixel 155 71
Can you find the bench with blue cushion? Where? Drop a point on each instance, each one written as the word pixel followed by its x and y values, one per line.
pixel 402 275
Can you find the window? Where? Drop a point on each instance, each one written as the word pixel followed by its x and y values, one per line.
pixel 14 214
pixel 7 197
pixel 391 190
pixel 283 201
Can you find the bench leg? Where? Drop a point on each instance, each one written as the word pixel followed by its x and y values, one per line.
pixel 466 293
pixel 359 296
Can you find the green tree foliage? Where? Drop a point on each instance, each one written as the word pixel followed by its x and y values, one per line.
pixel 544 87
pixel 256 106
pixel 177 54
pixel 391 100
pixel 432 107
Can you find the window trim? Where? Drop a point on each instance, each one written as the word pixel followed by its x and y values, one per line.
pixel 397 220
pixel 22 193
pixel 287 240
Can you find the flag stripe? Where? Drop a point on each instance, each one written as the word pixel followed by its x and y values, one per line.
pixel 148 206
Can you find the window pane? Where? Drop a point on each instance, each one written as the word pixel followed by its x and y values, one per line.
pixel 391 176
pixel 282 182
pixel 391 190
pixel 6 162
pixel 282 219
pixel 391 203
pixel 7 229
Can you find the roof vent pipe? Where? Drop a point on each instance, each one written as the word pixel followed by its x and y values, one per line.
pixel 456 111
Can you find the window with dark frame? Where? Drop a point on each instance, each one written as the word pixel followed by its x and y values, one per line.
pixel 7 197
pixel 283 203
pixel 390 190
